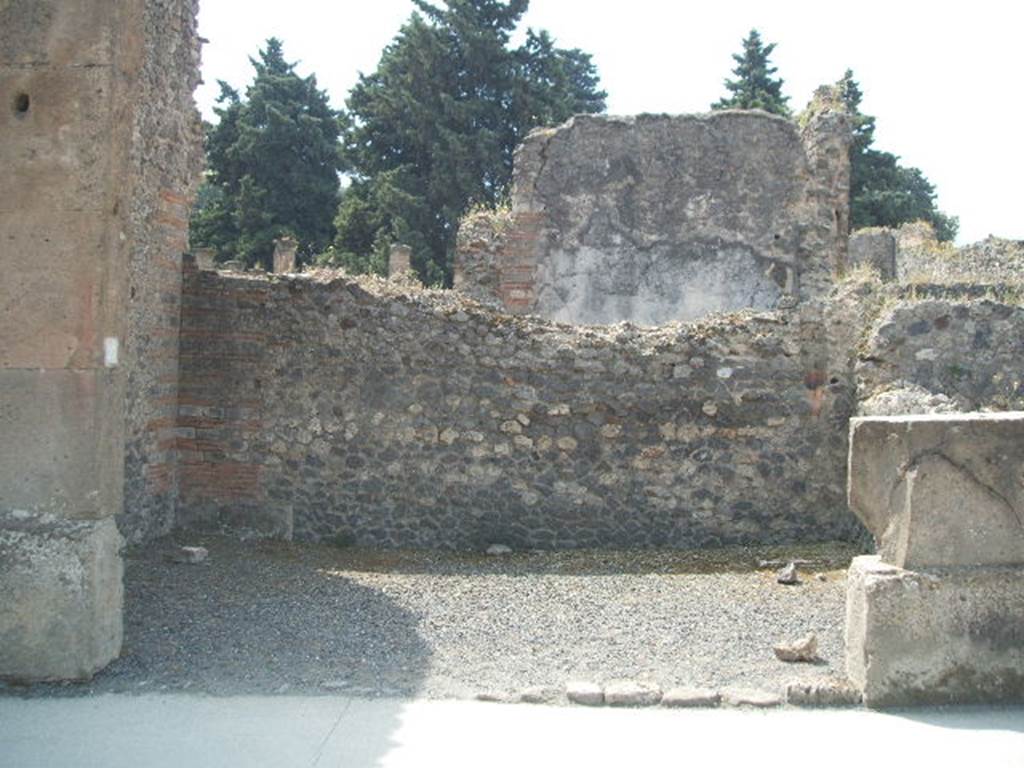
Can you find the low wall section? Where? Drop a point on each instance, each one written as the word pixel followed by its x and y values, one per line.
pixel 320 407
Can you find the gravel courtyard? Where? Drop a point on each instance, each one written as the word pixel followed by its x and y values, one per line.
pixel 273 617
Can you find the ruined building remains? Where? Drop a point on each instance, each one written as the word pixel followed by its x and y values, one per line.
pixel 658 344
pixel 658 218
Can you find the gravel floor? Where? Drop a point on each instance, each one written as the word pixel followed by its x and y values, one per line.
pixel 271 617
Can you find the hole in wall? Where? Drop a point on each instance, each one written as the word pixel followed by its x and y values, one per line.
pixel 21 103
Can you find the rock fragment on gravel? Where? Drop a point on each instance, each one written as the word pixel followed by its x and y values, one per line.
pixel 632 693
pixel 189 555
pixel 499 549
pixel 803 650
pixel 691 697
pixel 540 694
pixel 587 694
pixel 823 693
pixel 742 697
pixel 788 575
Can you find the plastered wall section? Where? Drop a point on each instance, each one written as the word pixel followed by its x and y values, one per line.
pixel 332 408
pixel 659 218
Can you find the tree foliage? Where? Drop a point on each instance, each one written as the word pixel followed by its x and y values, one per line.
pixel 754 86
pixel 884 193
pixel 433 129
pixel 273 165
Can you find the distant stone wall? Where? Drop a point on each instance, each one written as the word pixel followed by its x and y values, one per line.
pixel 911 254
pixel 330 407
pixel 968 352
pixel 655 218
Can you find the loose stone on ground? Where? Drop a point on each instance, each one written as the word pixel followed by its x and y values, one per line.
pixel 632 693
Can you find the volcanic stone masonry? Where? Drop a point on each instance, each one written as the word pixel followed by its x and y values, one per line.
pixel 353 409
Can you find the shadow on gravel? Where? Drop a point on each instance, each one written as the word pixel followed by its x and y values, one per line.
pixel 255 618
pixel 248 636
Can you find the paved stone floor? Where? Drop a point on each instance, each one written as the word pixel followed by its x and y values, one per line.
pixel 120 731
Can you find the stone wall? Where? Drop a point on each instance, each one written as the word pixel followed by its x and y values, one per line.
pixel 968 352
pixel 161 178
pixel 911 254
pixel 327 407
pixel 655 218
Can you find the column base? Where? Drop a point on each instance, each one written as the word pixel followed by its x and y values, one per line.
pixel 941 637
pixel 61 596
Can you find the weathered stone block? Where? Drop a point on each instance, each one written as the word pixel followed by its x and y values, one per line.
pixel 940 490
pixel 60 616
pixel 56 32
pixel 946 636
pixel 62 449
pixel 55 154
pixel 57 304
pixel 285 249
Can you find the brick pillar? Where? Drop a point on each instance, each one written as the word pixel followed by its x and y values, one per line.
pixel 285 249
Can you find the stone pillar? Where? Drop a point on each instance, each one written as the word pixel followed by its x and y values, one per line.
pixel 204 259
pixel 936 616
pixel 285 249
pixel 399 260
pixel 75 188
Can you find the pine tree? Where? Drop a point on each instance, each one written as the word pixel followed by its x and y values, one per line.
pixel 434 127
pixel 884 193
pixel 273 162
pixel 754 86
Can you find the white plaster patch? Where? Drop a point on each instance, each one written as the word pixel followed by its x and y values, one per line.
pixel 111 348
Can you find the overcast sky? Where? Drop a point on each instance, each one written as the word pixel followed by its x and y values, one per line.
pixel 943 80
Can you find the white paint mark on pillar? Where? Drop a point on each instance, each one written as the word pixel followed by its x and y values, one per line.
pixel 110 350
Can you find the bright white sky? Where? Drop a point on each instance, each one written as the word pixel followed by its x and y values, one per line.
pixel 944 80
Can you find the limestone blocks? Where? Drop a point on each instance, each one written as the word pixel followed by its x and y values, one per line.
pixel 60 610
pixel 938 615
pixel 941 490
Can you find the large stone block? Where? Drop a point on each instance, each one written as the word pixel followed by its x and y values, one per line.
pixel 940 490
pixel 62 448
pixel 59 298
pixel 60 612
pixel 947 636
pixel 57 126
pixel 57 32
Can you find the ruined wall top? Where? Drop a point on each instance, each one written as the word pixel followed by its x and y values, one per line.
pixel 657 218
